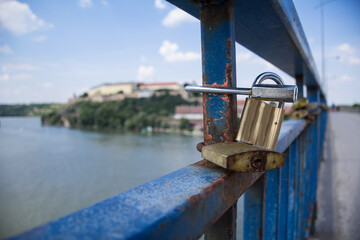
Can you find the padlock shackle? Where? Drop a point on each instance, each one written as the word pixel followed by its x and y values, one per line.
pixel 276 78
pixel 268 75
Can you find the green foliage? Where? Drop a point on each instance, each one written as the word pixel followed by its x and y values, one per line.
pixel 84 95
pixel 29 109
pixel 86 117
pixel 129 114
pixel 52 118
pixel 185 124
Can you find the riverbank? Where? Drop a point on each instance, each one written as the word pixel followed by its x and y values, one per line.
pixel 30 110
pixel 153 114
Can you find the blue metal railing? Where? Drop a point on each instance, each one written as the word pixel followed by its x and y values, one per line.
pixel 201 198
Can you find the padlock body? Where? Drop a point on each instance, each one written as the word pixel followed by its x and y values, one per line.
pixel 260 124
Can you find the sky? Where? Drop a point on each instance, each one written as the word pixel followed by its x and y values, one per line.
pixel 51 50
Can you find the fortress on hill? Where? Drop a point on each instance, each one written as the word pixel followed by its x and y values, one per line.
pixel 119 91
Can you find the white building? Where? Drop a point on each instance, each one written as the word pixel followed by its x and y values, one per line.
pixel 112 88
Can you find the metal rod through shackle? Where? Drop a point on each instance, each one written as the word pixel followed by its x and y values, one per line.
pixel 270 92
pixel 204 89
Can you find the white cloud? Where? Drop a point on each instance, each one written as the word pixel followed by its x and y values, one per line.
pixel 5 49
pixel 160 4
pixel 40 38
pixel 5 77
pixel 145 72
pixel 85 3
pixel 243 56
pixel 176 17
pixel 47 84
pixel 250 58
pixel 347 54
pixel 143 59
pixel 354 60
pixel 18 67
pixel 346 78
pixel 15 77
pixel 346 48
pixel 16 91
pixel 21 77
pixel 105 3
pixel 18 18
pixel 170 51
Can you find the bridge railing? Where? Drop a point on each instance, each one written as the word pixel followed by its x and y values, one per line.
pixel 202 198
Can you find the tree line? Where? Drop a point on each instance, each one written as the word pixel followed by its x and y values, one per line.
pixel 16 110
pixel 128 114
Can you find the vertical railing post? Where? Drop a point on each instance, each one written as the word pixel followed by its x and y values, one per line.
pixel 219 69
pixel 292 191
pixel 303 186
pixel 253 211
pixel 297 207
pixel 284 197
pixel 314 96
pixel 271 201
pixel 300 84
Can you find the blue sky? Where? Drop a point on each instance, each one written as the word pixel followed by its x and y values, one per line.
pixel 53 49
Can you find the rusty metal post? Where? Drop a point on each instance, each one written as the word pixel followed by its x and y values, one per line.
pixel 218 70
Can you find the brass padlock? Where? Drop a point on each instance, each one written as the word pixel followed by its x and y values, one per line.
pixel 261 122
pixel 259 129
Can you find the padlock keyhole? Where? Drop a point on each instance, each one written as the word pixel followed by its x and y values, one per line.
pixel 257 162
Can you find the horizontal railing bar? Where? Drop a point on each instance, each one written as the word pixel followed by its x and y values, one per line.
pixel 194 196
pixel 182 204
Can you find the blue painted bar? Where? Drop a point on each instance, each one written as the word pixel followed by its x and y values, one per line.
pixel 179 205
pixel 220 111
pixel 271 204
pixel 284 195
pixel 291 201
pixel 297 189
pixel 310 181
pixel 224 227
pixel 314 96
pixel 310 149
pixel 302 194
pixel 253 211
pixel 218 70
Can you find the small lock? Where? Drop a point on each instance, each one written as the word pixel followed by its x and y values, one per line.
pixel 259 128
pixel 261 122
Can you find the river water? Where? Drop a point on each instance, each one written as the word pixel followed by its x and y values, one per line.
pixel 48 172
